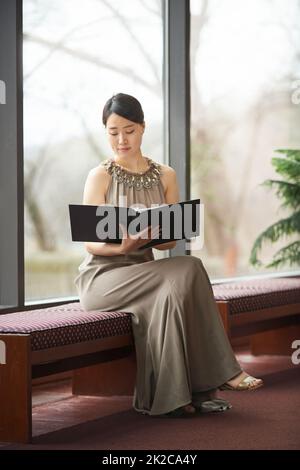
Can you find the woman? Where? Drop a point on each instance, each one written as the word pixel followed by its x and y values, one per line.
pixel 183 353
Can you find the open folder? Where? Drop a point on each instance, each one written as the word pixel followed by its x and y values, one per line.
pixel 101 223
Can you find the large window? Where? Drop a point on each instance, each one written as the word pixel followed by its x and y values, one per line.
pixel 245 61
pixel 76 56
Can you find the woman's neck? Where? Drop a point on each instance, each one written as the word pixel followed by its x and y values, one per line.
pixel 134 163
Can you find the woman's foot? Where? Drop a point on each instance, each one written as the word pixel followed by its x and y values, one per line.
pixel 208 402
pixel 214 406
pixel 241 382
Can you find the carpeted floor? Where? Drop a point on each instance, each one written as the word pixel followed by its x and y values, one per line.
pixel 268 418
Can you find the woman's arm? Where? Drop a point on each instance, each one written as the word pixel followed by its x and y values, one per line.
pixel 166 246
pixel 171 197
pixel 94 194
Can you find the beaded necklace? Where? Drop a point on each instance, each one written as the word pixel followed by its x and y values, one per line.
pixel 147 179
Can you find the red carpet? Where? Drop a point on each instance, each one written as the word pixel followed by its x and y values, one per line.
pixel 268 418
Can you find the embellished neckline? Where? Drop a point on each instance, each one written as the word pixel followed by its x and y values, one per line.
pixel 146 179
pixel 133 172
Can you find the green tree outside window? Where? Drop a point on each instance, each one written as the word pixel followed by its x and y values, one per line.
pixel 287 189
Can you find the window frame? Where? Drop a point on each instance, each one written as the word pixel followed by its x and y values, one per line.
pixel 176 138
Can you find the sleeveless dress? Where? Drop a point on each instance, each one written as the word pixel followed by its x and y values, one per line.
pixel 181 346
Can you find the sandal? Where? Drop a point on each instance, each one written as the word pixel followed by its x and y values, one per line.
pixel 247 383
pixel 213 406
pixel 224 403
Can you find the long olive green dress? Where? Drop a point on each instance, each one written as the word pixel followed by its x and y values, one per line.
pixel 181 345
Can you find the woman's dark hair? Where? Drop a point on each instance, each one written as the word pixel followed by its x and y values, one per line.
pixel 124 105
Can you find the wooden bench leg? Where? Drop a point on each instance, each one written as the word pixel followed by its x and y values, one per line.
pixel 106 379
pixel 15 388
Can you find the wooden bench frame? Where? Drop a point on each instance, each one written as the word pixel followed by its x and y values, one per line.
pixel 20 365
pixel 271 330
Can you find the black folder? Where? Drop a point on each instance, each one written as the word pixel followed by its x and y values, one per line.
pixel 91 223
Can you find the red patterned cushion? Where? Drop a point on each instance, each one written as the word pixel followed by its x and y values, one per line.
pixel 65 324
pixel 255 294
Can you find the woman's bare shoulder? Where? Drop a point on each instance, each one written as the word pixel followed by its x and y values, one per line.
pixel 99 172
pixel 98 177
pixel 167 176
pixel 96 186
pixel 168 170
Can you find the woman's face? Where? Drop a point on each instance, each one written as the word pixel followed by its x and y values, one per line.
pixel 125 137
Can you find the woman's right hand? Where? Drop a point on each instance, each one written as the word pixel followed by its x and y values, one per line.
pixel 134 242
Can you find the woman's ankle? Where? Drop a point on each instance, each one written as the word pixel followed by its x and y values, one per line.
pixel 189 408
pixel 201 397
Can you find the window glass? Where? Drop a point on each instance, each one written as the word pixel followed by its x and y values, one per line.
pixel 245 70
pixel 76 56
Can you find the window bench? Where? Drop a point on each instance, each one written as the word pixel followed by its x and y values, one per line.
pixel 37 343
pixel 266 309
pixel 99 347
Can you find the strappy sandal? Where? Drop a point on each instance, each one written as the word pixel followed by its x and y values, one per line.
pixel 224 403
pixel 247 383
pixel 213 406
